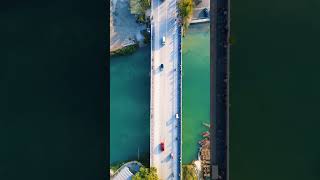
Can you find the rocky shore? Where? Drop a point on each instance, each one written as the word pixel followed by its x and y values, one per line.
pixel 204 154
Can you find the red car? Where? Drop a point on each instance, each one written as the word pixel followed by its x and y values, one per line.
pixel 162 146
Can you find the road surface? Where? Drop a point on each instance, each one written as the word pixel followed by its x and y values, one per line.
pixel 165 92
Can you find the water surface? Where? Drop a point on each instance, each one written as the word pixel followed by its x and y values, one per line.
pixel 130 106
pixel 196 88
pixel 275 90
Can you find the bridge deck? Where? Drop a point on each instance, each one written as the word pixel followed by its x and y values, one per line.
pixel 165 90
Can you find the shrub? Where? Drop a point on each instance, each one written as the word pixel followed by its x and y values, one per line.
pixel 125 51
pixel 146 174
pixel 188 172
pixel 185 12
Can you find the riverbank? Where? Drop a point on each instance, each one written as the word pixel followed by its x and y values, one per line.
pixel 204 154
pixel 124 29
pixel 127 50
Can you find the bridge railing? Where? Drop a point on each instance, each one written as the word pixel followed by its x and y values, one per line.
pixel 151 95
pixel 179 101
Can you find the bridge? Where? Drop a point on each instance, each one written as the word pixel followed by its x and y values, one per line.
pixel 166 89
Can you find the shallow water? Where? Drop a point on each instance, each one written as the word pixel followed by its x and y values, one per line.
pixel 196 88
pixel 129 98
pixel 129 106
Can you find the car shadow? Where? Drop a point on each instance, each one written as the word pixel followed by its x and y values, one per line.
pixel 157 149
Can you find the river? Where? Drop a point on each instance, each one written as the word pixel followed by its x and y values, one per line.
pixel 129 98
pixel 274 118
pixel 196 88
pixel 129 106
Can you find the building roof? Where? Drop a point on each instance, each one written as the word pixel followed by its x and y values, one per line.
pixel 124 174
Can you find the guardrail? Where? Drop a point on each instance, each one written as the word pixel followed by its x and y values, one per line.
pixel 151 95
pixel 179 101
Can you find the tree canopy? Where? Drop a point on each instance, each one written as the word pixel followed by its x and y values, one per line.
pixel 185 11
pixel 145 4
pixel 188 172
pixel 146 174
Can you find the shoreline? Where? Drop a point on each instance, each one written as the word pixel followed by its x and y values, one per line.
pixel 125 30
pixel 125 50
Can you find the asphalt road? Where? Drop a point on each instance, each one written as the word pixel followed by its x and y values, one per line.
pixel 164 91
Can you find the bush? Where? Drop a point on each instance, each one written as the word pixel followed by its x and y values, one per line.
pixel 146 174
pixel 125 51
pixel 188 172
pixel 147 36
pixel 185 12
pixel 145 4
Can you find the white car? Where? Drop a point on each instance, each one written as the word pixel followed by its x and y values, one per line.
pixel 177 116
pixel 163 40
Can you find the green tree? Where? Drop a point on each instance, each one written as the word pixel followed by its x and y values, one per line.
pixel 146 174
pixel 188 172
pixel 185 11
pixel 145 4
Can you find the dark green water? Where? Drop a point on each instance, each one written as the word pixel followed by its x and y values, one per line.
pixel 130 106
pixel 196 88
pixel 52 91
pixel 275 90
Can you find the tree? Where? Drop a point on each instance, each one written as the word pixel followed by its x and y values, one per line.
pixel 145 4
pixel 185 11
pixel 188 172
pixel 146 174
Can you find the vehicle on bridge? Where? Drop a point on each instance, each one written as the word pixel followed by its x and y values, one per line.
pixel 205 12
pixel 161 67
pixel 162 146
pixel 163 40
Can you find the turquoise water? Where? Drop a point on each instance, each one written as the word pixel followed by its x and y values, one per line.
pixel 129 98
pixel 196 88
pixel 129 106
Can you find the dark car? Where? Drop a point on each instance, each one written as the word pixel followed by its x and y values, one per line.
pixel 161 67
pixel 205 12
pixel 162 146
